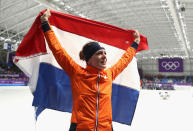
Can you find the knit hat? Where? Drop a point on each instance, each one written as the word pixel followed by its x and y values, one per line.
pixel 91 49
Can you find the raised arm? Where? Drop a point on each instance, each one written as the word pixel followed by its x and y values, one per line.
pixel 126 57
pixel 61 56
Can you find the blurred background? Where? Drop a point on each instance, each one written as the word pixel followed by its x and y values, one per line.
pixel 166 23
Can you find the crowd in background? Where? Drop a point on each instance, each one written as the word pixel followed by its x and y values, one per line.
pixel 10 74
pixel 161 82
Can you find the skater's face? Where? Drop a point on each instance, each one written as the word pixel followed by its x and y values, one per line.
pixel 98 60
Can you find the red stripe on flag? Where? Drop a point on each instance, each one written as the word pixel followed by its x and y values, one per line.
pixel 34 43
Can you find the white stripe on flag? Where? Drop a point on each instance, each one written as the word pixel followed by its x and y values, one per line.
pixel 73 44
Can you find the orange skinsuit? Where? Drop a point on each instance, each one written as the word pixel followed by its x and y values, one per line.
pixel 91 89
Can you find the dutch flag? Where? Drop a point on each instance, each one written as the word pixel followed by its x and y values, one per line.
pixel 50 85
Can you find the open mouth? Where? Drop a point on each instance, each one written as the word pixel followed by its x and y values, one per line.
pixel 103 62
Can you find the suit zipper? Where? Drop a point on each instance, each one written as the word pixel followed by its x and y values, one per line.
pixel 97 101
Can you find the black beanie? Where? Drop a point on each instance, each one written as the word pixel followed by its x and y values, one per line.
pixel 91 49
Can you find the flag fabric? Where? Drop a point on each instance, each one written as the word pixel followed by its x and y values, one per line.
pixel 50 85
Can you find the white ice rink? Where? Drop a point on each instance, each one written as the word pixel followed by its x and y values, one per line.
pixel 152 113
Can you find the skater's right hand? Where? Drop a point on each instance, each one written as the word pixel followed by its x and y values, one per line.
pixel 45 16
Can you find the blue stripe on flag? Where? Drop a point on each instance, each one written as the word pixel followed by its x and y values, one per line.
pixel 124 102
pixel 53 91
pixel 50 92
pixel 39 111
